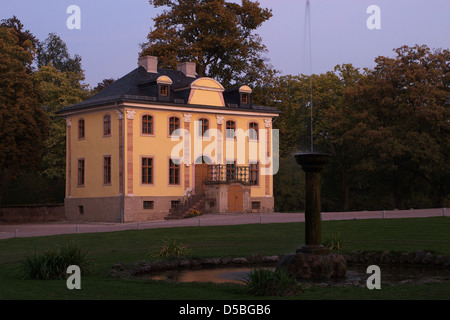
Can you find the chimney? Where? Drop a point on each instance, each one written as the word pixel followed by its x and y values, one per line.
pixel 150 63
pixel 188 68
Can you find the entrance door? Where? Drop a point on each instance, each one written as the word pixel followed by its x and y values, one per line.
pixel 201 173
pixel 235 198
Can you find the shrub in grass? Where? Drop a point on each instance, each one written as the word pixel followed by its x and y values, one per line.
pixel 53 264
pixel 334 243
pixel 266 282
pixel 171 248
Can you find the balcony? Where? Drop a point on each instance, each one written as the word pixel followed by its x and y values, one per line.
pixel 218 173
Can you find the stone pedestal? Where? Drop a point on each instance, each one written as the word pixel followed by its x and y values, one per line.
pixel 312 164
pixel 313 260
pixel 314 266
pixel 313 249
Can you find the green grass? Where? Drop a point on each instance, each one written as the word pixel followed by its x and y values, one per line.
pixel 107 249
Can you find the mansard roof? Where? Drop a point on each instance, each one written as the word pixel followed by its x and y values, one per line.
pixel 142 86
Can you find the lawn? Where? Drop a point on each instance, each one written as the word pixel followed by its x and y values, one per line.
pixel 107 249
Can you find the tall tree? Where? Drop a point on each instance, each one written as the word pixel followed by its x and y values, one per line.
pixel 59 80
pixel 407 124
pixel 102 85
pixel 331 124
pixel 292 96
pixel 217 35
pixel 57 90
pixel 25 39
pixel 22 121
pixel 339 130
pixel 53 50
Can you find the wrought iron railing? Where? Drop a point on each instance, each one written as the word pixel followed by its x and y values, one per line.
pixel 189 199
pixel 218 173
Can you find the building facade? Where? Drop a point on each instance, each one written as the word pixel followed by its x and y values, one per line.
pixel 159 143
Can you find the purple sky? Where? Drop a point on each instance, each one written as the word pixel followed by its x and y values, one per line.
pixel 111 31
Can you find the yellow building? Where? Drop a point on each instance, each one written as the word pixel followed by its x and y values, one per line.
pixel 159 143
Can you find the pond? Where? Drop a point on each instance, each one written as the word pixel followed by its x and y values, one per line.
pixel 356 275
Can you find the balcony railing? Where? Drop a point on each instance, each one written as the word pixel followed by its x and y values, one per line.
pixel 218 173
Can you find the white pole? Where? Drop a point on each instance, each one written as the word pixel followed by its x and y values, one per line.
pixel 78 229
pixel 139 225
pixel 384 211
pixel 17 233
pixel 199 222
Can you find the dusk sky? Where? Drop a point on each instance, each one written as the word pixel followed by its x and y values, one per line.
pixel 111 31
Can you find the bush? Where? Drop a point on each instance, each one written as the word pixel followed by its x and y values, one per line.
pixel 30 188
pixel 171 248
pixel 265 282
pixel 193 214
pixel 52 264
pixel 334 243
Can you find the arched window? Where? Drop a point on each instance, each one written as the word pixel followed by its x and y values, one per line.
pixel 107 125
pixel 203 127
pixel 253 131
pixel 231 129
pixel 147 124
pixel 174 124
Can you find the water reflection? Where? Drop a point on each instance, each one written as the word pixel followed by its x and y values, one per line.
pixel 356 275
pixel 216 275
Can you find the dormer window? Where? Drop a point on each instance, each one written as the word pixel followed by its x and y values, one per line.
pixel 244 94
pixel 163 90
pixel 245 98
pixel 164 83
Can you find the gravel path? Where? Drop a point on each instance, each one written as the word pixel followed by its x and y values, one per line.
pixel 46 229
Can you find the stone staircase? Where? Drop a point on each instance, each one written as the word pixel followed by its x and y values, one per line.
pixel 194 200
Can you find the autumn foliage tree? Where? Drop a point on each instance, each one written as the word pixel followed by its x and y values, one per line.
pixel 23 124
pixel 387 130
pixel 25 39
pixel 22 121
pixel 32 135
pixel 59 80
pixel 292 96
pixel 405 101
pixel 217 35
pixel 53 50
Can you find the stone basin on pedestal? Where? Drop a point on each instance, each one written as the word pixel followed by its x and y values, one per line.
pixel 313 260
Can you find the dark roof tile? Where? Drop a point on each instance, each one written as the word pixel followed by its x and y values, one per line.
pixel 140 85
